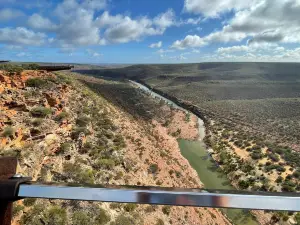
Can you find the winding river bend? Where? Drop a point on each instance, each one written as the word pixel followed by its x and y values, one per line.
pixel 197 155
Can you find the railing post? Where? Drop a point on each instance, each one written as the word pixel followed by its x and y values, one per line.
pixel 8 167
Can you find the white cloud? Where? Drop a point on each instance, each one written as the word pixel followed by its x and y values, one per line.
pixel 257 52
pixel 130 30
pixel 193 21
pixel 165 20
pixel 162 51
pixel 9 14
pixel 213 8
pixel 122 29
pixel 240 48
pixel 260 21
pixel 23 54
pixel 156 45
pixel 38 22
pixel 190 41
pixel 21 36
pixel 93 53
pixel 269 21
pixel 76 27
pixel 107 20
pixel 181 57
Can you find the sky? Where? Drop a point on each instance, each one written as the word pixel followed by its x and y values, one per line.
pixel 149 31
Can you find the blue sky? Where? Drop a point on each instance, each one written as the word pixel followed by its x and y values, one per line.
pixel 144 31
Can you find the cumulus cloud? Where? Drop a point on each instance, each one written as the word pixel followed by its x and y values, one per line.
pixel 107 20
pixel 190 41
pixel 38 22
pixel 122 29
pixel 268 21
pixel 214 8
pixel 9 14
pixel 260 21
pixel 165 20
pixel 240 48
pixel 156 45
pixel 130 30
pixel 21 36
pixel 75 24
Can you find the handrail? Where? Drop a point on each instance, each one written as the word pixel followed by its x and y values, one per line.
pixel 13 188
pixel 163 196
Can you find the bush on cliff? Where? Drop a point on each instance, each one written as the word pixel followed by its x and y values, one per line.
pixel 40 111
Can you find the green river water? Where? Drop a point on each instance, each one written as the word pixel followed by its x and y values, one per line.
pixel 196 154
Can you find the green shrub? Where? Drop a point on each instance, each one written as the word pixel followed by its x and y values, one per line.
pixel 279 179
pixel 166 209
pixel 8 131
pixel 30 66
pixel 40 111
pixel 88 146
pixel 130 207
pixel 33 217
pixel 77 130
pixel 63 79
pixel 153 168
pixel 160 222
pixel 83 121
pixel 37 122
pixel 56 215
pixel 65 147
pixel 296 174
pixel 256 155
pixel 243 184
pixel 61 116
pixel 81 218
pixel 119 175
pixel 274 157
pixel 102 218
pixel 29 201
pixel 11 68
pixel 86 176
pixel 105 163
pixel 297 218
pixel 78 174
pixel 150 209
pixel 17 209
pixel 36 82
pixel 12 153
pixel 115 205
pixel 124 220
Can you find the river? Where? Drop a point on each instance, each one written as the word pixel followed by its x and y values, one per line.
pixel 197 155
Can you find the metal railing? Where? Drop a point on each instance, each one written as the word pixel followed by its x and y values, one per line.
pixel 13 188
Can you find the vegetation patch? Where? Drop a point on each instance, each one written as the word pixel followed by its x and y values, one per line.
pixel 40 112
pixel 8 131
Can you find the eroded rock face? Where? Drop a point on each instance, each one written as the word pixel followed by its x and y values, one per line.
pixel 52 99
pixel 16 101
